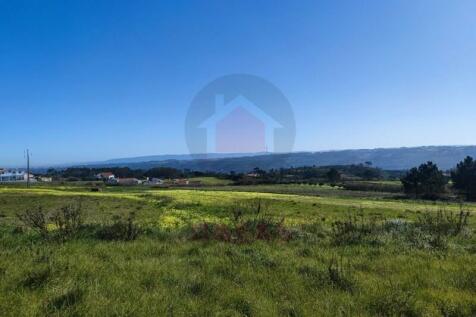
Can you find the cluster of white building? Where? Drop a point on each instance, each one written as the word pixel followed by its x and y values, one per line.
pixel 9 176
pixel 18 176
pixel 111 179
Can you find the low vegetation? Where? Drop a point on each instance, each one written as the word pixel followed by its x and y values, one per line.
pixel 120 229
pixel 67 251
pixel 238 230
pixel 426 181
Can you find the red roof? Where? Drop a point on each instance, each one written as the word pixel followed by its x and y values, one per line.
pixel 106 174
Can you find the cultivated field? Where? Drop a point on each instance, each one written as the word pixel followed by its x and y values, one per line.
pixel 292 250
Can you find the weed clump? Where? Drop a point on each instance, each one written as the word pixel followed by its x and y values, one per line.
pixel 340 276
pixel 353 230
pixel 121 229
pixel 68 220
pixel 336 275
pixel 64 301
pixel 36 278
pixel 243 232
pixel 443 223
pixel 429 231
pixel 35 219
pixel 257 227
pixel 433 230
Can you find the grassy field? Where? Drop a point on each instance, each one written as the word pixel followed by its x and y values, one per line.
pixel 211 181
pixel 349 254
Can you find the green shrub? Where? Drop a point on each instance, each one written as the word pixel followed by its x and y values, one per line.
pixel 68 219
pixel 120 229
pixel 35 219
pixel 433 230
pixel 353 230
pixel 443 223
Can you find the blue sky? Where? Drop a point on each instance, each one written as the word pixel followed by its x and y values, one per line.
pixel 92 80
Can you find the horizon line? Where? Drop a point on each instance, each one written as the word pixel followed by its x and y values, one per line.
pixel 244 154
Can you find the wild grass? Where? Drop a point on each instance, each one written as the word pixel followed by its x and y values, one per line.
pixel 346 256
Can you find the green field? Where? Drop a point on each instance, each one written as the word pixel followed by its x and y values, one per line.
pixel 380 264
pixel 211 181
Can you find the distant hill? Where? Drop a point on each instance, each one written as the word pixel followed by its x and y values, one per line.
pixel 389 159
pixel 178 157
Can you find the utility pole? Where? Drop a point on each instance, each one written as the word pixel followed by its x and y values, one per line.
pixel 27 168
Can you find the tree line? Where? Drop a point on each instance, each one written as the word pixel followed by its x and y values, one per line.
pixel 310 175
pixel 89 174
pixel 305 174
pixel 429 182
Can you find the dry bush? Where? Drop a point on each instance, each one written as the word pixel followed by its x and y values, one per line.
pixel 35 219
pixel 353 230
pixel 443 223
pixel 432 230
pixel 243 232
pixel 258 226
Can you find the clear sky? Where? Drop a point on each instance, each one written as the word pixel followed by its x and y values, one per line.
pixel 92 80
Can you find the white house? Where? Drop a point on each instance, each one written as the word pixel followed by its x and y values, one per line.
pixel 106 176
pixel 154 181
pixel 128 181
pixel 246 116
pixel 14 176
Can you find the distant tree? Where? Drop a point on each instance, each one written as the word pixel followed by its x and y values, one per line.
pixel 464 178
pixel 259 171
pixel 124 172
pixel 426 181
pixel 371 173
pixel 164 172
pixel 78 173
pixel 51 172
pixel 333 175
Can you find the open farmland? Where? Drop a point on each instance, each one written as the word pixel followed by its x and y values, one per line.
pixel 342 254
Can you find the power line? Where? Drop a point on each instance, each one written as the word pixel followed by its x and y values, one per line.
pixel 27 168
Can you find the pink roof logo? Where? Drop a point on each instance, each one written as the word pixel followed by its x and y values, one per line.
pixel 239 126
pixel 239 113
